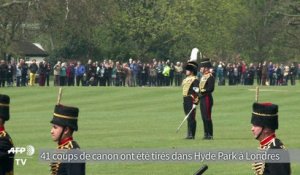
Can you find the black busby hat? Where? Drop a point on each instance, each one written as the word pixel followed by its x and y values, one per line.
pixel 65 116
pixel 205 62
pixel 265 115
pixel 4 107
pixel 192 66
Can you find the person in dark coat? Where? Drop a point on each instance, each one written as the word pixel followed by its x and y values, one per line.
pixel 3 73
pixel 42 73
pixel 24 73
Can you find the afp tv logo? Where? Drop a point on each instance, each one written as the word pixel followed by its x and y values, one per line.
pixel 28 151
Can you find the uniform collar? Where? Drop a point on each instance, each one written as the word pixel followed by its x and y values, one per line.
pixel 64 141
pixel 206 72
pixel 2 129
pixel 267 139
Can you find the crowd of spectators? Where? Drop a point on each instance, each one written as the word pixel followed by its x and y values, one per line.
pixel 265 73
pixel 136 73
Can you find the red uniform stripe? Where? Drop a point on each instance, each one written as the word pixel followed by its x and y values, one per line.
pixel 207 102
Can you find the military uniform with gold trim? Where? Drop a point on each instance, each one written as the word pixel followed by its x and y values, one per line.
pixel 265 115
pixel 6 159
pixel 66 116
pixel 206 86
pixel 190 89
pixel 190 97
pixel 67 168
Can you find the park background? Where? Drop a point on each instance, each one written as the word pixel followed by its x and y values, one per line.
pixel 121 117
pixel 145 118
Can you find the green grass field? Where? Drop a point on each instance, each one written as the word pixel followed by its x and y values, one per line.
pixel 112 117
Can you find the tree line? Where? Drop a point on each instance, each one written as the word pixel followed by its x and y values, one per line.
pixel 254 30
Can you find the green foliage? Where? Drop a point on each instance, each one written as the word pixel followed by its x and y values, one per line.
pixel 165 29
pixel 264 31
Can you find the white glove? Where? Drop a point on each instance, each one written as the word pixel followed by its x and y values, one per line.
pixel 196 89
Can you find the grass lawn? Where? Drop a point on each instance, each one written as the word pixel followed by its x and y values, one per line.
pixel 128 118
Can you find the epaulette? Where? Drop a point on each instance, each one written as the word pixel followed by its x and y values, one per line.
pixel 2 134
pixel 68 145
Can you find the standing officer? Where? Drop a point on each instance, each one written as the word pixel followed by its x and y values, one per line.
pixel 190 86
pixel 64 124
pixel 264 123
pixel 6 159
pixel 207 85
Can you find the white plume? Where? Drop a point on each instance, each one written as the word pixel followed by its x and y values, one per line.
pixel 194 54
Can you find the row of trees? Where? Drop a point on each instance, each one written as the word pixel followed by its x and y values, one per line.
pixel 167 29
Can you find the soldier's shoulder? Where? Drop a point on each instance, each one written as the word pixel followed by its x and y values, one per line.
pixel 4 135
pixel 211 75
pixel 195 78
pixel 75 145
pixel 5 140
pixel 277 144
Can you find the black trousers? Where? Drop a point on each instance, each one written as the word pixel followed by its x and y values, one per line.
pixel 47 79
pixel 79 78
pixel 191 120
pixel 206 103
pixel 178 79
pixel 2 82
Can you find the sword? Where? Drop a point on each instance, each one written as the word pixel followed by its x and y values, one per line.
pixel 185 118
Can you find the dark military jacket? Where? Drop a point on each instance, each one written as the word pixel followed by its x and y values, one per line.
pixel 58 168
pixel 6 159
pixel 261 168
pixel 207 84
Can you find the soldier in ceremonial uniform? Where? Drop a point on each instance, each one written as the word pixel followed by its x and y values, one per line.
pixel 6 159
pixel 206 86
pixel 190 93
pixel 64 124
pixel 264 123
